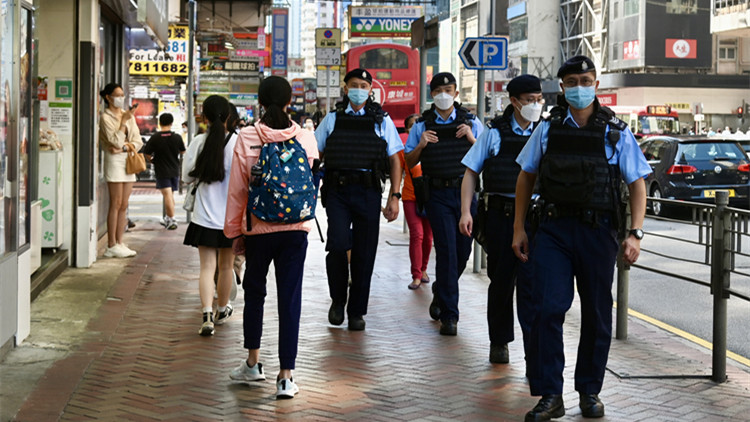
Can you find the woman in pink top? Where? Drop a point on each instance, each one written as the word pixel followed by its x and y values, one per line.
pixel 263 242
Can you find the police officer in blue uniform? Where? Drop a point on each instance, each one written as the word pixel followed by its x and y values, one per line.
pixel 494 155
pixel 439 140
pixel 579 155
pixel 359 145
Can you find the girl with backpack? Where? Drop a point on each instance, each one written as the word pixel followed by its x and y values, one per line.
pixel 207 163
pixel 263 241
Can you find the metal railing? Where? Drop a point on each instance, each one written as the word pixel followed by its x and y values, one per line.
pixel 721 230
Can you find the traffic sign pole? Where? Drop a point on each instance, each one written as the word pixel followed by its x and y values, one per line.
pixel 480 115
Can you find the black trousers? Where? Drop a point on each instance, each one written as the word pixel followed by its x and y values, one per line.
pixel 353 223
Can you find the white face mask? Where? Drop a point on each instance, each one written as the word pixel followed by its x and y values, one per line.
pixel 531 112
pixel 118 102
pixel 443 101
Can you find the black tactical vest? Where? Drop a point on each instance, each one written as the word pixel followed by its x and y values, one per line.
pixel 354 145
pixel 501 171
pixel 442 160
pixel 574 172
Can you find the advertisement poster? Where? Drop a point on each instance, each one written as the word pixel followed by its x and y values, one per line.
pixel 147 115
pixel 61 118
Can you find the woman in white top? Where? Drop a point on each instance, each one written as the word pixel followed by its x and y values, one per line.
pixel 117 128
pixel 207 162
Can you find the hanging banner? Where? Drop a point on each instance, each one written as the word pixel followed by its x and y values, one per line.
pixel 173 61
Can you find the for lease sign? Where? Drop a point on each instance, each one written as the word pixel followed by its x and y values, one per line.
pixel 383 21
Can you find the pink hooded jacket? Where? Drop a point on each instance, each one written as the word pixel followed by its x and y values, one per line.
pixel 246 153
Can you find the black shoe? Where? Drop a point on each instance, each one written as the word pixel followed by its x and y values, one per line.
pixel 449 327
pixel 434 307
pixel 591 406
pixel 336 313
pixel 550 406
pixel 131 224
pixel 356 323
pixel 499 353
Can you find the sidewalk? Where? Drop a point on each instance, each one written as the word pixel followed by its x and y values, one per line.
pixel 139 356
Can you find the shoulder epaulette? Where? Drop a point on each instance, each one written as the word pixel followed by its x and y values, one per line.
pixel 611 119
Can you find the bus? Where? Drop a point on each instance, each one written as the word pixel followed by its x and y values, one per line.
pixel 649 120
pixel 395 71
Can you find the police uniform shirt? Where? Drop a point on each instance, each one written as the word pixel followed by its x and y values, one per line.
pixel 386 130
pixel 627 154
pixel 418 129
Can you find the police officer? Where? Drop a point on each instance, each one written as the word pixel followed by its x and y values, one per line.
pixel 439 140
pixel 494 155
pixel 579 154
pixel 359 145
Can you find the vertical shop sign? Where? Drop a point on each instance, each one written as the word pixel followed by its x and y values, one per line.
pixel 279 38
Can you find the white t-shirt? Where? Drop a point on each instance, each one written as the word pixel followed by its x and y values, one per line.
pixel 210 199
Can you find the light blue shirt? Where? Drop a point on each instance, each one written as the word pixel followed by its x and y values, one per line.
pixel 488 145
pixel 386 130
pixel 627 154
pixel 418 129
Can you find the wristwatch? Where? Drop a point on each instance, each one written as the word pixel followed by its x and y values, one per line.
pixel 397 195
pixel 637 233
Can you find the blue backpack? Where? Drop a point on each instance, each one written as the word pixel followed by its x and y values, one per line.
pixel 282 189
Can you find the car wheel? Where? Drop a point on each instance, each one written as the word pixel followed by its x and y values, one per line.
pixel 657 208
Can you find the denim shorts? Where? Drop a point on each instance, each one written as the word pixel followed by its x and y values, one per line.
pixel 167 183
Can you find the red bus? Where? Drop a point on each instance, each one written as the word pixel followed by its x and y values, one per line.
pixel 650 120
pixel 395 71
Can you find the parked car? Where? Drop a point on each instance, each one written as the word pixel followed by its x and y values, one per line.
pixel 693 168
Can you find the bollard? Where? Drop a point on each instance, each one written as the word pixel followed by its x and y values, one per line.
pixel 719 283
pixel 623 286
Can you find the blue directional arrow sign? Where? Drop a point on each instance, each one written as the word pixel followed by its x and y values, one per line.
pixel 484 53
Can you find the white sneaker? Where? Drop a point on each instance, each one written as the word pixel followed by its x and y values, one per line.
pixel 244 372
pixel 125 250
pixel 286 388
pixel 171 224
pixel 116 252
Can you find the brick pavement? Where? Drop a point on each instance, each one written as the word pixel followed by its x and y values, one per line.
pixel 142 359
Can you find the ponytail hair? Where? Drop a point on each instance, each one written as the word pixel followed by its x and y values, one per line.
pixel 274 94
pixel 209 166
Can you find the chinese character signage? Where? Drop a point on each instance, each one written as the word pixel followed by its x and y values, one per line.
pixel 173 61
pixel 681 49
pixel 383 21
pixel 279 38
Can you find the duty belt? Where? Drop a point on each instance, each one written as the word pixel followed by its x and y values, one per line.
pixel 586 215
pixel 446 183
pixel 346 178
pixel 503 203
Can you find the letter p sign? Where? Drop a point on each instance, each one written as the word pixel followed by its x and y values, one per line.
pixel 489 50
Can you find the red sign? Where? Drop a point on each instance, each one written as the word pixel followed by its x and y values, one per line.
pixel 311 96
pixel 279 72
pixel 631 50
pixel 681 49
pixel 607 99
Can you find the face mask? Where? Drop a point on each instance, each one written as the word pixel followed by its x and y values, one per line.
pixel 443 101
pixel 531 112
pixel 358 96
pixel 580 97
pixel 118 102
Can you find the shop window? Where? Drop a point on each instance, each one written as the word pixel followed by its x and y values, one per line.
pixel 682 7
pixel 616 10
pixel 630 7
pixel 519 29
pixel 727 52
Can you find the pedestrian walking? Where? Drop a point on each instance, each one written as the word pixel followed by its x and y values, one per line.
pixel 494 155
pixel 164 149
pixel 420 233
pixel 283 243
pixel 118 132
pixel 359 145
pixel 580 154
pixel 439 140
pixel 207 162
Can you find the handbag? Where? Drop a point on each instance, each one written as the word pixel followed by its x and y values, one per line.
pixel 134 162
pixel 189 202
pixel 420 193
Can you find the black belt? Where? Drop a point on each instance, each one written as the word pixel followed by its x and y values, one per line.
pixel 586 215
pixel 500 202
pixel 346 178
pixel 437 182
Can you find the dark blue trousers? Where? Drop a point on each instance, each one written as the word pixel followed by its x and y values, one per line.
pixel 565 248
pixel 287 250
pixel 353 223
pixel 452 249
pixel 506 271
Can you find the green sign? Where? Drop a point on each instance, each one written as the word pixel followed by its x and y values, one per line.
pixel 64 88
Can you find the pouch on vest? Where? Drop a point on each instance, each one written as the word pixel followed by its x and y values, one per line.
pixel 421 191
pixel 568 180
pixel 285 192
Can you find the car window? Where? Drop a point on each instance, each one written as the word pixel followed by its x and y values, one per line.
pixel 710 151
pixel 653 150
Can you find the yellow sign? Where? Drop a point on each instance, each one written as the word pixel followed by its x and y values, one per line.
pixel 680 106
pixel 173 61
pixel 328 38
pixel 712 193
pixel 398 83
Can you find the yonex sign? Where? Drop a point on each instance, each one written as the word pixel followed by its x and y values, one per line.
pixel 383 21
